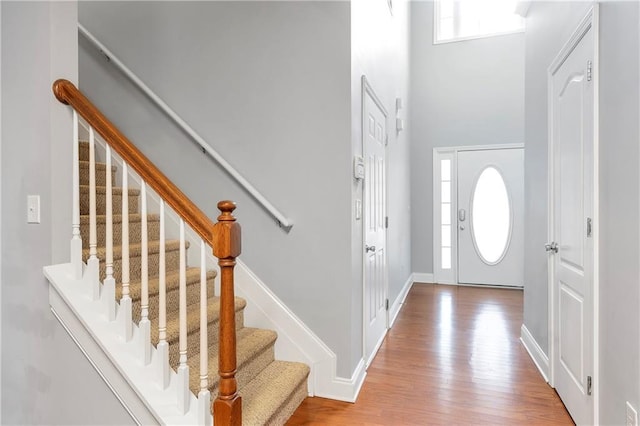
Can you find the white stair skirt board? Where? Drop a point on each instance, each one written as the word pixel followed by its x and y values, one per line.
pixel 540 359
pixel 118 362
pixel 423 277
pixel 395 307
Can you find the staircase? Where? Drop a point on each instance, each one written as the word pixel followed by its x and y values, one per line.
pixel 270 390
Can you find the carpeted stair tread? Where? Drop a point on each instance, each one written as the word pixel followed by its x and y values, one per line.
pixel 100 166
pixel 135 228
pixel 83 151
pixel 172 281
pixel 254 352
pixel 172 259
pixel 193 318
pixel 101 175
pixel 103 190
pixel 264 398
pixel 101 199
pixel 117 218
pixel 172 293
pixel 135 250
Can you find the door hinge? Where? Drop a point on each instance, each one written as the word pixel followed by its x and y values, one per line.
pixel 589 227
pixel 386 222
pixel 386 139
pixel 589 385
pixel 589 70
pixel 386 304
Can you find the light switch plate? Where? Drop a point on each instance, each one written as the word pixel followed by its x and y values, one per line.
pixel 33 209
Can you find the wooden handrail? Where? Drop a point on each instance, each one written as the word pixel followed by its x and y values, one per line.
pixel 67 93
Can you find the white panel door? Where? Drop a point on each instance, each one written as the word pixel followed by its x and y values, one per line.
pixel 573 206
pixel 375 291
pixel 491 217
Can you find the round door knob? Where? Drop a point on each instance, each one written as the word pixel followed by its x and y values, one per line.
pixel 370 248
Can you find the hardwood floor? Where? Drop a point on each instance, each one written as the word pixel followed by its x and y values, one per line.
pixel 453 357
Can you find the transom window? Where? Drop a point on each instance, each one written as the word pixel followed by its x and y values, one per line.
pixel 456 20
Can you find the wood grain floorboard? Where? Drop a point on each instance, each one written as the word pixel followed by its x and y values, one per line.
pixel 453 357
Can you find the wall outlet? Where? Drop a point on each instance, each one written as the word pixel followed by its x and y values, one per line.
pixel 632 415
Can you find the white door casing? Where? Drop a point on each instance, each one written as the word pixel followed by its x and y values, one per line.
pixel 490 217
pixel 573 228
pixel 374 133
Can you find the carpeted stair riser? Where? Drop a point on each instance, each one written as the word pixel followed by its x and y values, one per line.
pixel 101 200
pixel 255 351
pixel 287 409
pixel 270 398
pixel 84 150
pixel 249 369
pixel 135 229
pixel 101 175
pixel 172 260
pixel 193 339
pixel 172 299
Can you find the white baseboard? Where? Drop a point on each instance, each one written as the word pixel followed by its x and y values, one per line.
pixel 328 385
pixel 395 307
pixel 296 342
pixel 423 277
pixel 536 353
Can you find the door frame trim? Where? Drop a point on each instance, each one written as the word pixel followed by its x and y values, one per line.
pixel 367 90
pixel 435 203
pixel 591 22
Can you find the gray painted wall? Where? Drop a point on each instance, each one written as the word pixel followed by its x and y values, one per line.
pixel 45 377
pixel 268 85
pixel 549 25
pixel 619 210
pixel 462 93
pixel 380 51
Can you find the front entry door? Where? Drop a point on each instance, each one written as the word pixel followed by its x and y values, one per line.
pixel 375 280
pixel 491 217
pixel 572 252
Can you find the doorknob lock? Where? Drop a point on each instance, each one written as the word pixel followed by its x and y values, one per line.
pixel 370 248
pixel 553 246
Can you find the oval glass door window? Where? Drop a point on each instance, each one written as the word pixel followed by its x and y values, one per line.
pixel 491 216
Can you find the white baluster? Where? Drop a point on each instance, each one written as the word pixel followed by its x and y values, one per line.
pixel 163 346
pixel 93 264
pixel 204 396
pixel 76 240
pixel 125 301
pixel 184 393
pixel 145 325
pixel 109 289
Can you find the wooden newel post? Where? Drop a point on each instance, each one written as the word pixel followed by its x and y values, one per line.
pixel 227 407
